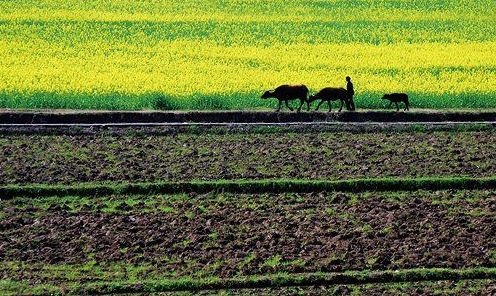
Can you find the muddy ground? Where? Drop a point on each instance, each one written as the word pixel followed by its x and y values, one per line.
pixel 230 234
pixel 340 155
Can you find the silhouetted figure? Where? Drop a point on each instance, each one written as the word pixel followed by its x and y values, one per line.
pixel 396 98
pixel 351 92
pixel 329 94
pixel 287 93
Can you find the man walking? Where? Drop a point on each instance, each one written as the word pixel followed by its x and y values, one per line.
pixel 350 93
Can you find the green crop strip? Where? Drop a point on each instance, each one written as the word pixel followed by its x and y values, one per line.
pixel 267 281
pixel 249 186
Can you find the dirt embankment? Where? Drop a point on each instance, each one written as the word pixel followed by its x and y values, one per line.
pixel 55 116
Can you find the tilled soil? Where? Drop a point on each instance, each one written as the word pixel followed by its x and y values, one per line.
pixel 229 235
pixel 86 158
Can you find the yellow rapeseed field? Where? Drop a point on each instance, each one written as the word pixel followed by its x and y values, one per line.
pixel 223 54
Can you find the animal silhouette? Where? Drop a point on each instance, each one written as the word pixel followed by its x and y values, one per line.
pixel 329 94
pixel 397 98
pixel 287 93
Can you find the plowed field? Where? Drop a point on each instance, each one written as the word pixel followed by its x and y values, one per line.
pixel 341 155
pixel 415 242
pixel 228 234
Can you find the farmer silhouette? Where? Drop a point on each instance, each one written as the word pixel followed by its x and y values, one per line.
pixel 350 92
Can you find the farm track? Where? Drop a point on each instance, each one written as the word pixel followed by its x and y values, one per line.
pixel 70 159
pixel 127 117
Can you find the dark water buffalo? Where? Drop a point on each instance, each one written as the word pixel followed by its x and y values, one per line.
pixel 329 94
pixel 396 98
pixel 287 93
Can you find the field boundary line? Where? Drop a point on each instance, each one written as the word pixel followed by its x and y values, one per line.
pixel 249 186
pixel 233 116
pixel 244 124
pixel 277 280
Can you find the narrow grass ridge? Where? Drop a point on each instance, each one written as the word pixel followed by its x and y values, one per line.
pixel 249 186
pixel 266 281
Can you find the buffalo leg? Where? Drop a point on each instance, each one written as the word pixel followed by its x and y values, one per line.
pixel 329 104
pixel 390 104
pixel 397 107
pixel 279 107
pixel 308 106
pixel 341 107
pixel 301 104
pixel 318 106
pixel 406 106
pixel 287 105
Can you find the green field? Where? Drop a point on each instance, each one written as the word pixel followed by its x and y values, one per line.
pixel 173 55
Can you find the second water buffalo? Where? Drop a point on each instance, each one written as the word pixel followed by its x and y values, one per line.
pixel 397 98
pixel 287 93
pixel 329 94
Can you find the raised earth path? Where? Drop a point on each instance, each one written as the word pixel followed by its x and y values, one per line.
pixel 94 117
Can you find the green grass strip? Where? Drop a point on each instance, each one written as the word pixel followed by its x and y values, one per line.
pixel 266 281
pixel 249 186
